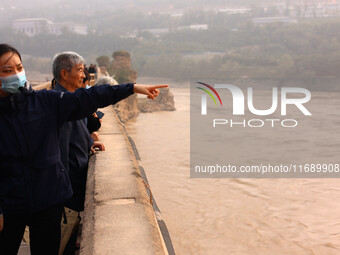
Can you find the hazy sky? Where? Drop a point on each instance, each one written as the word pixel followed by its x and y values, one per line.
pixel 118 3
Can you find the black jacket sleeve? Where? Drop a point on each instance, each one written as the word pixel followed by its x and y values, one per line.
pixel 83 102
pixel 93 124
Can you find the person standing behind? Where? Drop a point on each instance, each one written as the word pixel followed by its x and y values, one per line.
pixel 75 140
pixel 92 69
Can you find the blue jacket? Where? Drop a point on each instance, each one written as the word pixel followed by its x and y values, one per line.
pixel 75 144
pixel 32 177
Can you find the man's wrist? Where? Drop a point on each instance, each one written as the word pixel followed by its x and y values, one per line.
pixel 1 215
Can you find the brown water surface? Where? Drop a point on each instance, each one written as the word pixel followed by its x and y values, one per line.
pixel 232 216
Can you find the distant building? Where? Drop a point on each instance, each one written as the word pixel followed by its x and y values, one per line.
pixel 268 20
pixel 327 10
pixel 157 31
pixel 321 9
pixel 162 31
pixel 194 27
pixel 31 27
pixel 177 14
pixel 235 10
pixel 36 26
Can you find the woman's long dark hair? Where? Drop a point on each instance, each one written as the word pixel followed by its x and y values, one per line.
pixel 4 48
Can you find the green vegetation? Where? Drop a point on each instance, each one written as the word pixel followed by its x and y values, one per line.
pixel 309 49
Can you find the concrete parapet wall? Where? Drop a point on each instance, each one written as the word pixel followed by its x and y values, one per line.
pixel 118 217
pixel 45 85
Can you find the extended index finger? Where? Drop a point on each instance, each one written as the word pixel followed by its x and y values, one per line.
pixel 160 86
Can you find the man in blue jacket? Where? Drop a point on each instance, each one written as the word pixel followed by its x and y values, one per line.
pixel 33 181
pixel 75 140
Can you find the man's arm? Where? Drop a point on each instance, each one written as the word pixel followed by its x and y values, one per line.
pixel 83 102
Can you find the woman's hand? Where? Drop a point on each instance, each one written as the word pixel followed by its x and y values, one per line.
pixel 150 90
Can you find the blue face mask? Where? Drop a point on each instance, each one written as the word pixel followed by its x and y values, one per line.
pixel 87 86
pixel 12 83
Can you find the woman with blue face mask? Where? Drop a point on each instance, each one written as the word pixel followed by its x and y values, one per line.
pixel 12 73
pixel 21 190
pixel 33 182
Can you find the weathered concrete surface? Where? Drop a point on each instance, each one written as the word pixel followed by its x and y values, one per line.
pixel 128 108
pixel 118 217
pixel 45 85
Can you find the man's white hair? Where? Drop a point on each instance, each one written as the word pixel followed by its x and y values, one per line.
pixel 65 60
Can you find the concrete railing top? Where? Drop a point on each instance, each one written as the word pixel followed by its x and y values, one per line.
pixel 45 85
pixel 118 217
